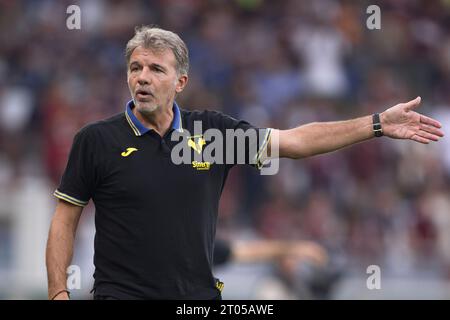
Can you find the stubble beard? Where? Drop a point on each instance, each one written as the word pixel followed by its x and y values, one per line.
pixel 145 108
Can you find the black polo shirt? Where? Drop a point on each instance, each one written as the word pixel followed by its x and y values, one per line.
pixel 155 220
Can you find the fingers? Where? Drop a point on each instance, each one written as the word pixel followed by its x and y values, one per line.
pixel 432 122
pixel 431 129
pixel 410 105
pixel 418 138
pixel 428 135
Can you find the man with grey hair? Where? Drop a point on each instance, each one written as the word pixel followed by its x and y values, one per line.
pixel 155 220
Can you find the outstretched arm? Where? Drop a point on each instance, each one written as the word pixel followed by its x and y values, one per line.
pixel 398 122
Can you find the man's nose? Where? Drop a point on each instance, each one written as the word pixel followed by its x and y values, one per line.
pixel 144 77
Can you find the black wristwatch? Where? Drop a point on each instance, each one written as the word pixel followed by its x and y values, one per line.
pixel 377 129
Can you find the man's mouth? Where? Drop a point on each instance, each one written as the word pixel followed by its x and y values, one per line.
pixel 142 94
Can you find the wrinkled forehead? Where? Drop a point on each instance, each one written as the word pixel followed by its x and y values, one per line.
pixel 149 55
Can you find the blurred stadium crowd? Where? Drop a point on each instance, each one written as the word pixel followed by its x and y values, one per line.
pixel 273 63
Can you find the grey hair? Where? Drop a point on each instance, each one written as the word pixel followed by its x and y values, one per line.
pixel 158 39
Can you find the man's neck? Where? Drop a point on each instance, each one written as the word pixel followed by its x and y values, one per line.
pixel 160 120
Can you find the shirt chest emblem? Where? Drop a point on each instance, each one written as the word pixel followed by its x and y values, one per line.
pixel 196 142
pixel 128 151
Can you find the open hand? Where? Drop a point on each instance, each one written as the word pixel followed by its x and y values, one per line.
pixel 402 122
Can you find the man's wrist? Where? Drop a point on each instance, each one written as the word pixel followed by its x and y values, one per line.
pixel 60 294
pixel 376 125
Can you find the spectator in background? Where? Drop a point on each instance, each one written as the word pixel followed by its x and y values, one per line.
pixel 285 257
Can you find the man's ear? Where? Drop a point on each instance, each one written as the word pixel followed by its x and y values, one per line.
pixel 181 83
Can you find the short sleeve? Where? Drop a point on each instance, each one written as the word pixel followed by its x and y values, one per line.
pixel 249 142
pixel 78 180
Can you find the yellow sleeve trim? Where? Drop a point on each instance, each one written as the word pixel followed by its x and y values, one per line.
pixel 69 199
pixel 263 148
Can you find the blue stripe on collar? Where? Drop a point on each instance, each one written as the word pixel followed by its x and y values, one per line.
pixel 139 129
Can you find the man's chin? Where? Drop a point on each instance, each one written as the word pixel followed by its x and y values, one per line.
pixel 145 107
